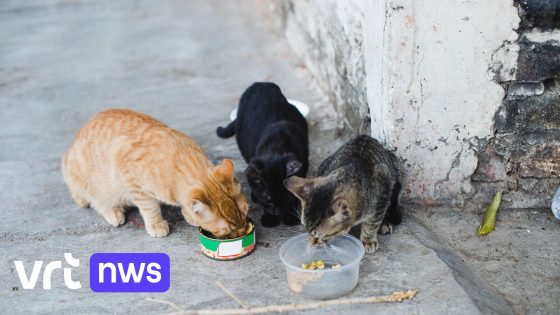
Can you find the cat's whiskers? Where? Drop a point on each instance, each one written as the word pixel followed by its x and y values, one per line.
pixel 298 215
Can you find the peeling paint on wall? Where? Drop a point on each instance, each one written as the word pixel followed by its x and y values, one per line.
pixel 437 77
pixel 452 100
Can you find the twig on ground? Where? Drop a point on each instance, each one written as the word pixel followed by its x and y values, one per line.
pixel 231 295
pixel 395 297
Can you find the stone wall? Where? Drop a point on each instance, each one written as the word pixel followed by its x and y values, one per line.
pixel 523 157
pixel 464 92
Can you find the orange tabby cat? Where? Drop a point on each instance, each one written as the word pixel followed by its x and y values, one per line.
pixel 121 157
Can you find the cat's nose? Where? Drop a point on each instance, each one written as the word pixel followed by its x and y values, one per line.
pixel 313 240
pixel 313 237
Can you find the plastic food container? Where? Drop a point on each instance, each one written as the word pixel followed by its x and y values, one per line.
pixel 327 283
pixel 227 249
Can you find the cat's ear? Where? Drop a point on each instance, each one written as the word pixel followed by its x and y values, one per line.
pixel 195 195
pixel 292 167
pixel 196 212
pixel 299 186
pixel 254 169
pixel 198 207
pixel 225 171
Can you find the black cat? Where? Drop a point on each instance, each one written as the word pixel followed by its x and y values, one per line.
pixel 272 137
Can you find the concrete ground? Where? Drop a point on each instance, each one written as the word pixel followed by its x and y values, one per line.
pixel 520 259
pixel 186 63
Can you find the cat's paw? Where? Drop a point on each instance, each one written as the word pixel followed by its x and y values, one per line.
pixel 371 246
pixel 269 220
pixel 385 228
pixel 291 219
pixel 115 216
pixel 160 229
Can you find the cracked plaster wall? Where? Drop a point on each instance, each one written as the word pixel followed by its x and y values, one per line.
pixel 434 97
pixel 427 75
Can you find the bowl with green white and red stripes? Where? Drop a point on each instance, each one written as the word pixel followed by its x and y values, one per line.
pixel 227 249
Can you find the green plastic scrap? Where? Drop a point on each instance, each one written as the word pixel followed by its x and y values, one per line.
pixel 489 222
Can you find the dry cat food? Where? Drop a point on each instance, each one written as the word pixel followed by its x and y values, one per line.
pixel 319 265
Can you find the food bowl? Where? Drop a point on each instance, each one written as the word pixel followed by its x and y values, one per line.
pixel 301 106
pixel 227 249
pixel 343 252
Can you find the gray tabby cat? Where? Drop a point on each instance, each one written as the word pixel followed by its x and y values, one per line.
pixel 358 184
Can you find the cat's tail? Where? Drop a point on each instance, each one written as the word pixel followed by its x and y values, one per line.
pixel 226 132
pixel 394 212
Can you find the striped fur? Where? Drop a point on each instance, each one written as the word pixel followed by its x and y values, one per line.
pixel 358 184
pixel 121 157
